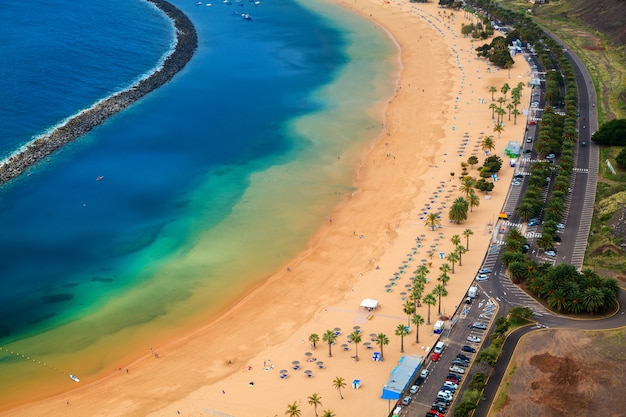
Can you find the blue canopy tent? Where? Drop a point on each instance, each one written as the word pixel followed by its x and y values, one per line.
pixel 401 377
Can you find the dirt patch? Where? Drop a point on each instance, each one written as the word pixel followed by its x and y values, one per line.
pixel 567 373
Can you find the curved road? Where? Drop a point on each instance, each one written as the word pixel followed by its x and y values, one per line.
pixel 574 240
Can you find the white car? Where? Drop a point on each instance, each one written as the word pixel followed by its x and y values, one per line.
pixel 482 277
pixel 560 226
pixel 457 369
pixel 414 389
pixel 550 253
pixel 451 384
pixel 446 395
pixel 473 339
pixel 484 270
pixel 424 373
pixel 516 183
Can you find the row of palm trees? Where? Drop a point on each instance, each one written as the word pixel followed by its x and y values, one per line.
pixel 315 400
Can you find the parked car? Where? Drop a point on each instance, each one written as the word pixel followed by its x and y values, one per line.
pixel 528 150
pixel 419 381
pixel 529 139
pixel 484 270
pixel 463 357
pixel 516 183
pixel 468 349
pixel 550 156
pixel 459 362
pixel 532 122
pixel 447 388
pixel 519 176
pixel 453 379
pixel 482 277
pixel 550 253
pixel 533 222
pixel 435 357
pixel 424 373
pixel 457 369
pixel 414 389
pixel 473 339
pixel 583 144
pixel 560 226
pixel 479 325
pixel 451 384
pixel 406 400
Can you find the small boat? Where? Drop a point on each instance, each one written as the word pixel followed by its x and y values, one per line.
pixel 100 178
pixel 246 16
pixel 74 378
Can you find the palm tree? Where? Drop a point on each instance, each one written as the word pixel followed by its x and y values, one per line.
pixel 493 107
pixel 339 383
pixel 510 107
pixel 515 113
pixel 492 90
pixel 440 291
pixel 445 268
pixel 458 210
pixel 467 186
pixel 455 239
pixel 592 299
pixel 460 250
pixel 381 340
pixel 452 258
pixel 409 309
pixel 417 321
pixel 429 300
pixel 487 144
pixel 293 410
pixel 443 278
pixel 498 128
pixel 473 200
pixel 315 400
pixel 356 339
pixel 505 89
pixel 314 338
pixel 432 221
pixel 329 337
pixel 328 413
pixel 467 233
pixel 401 331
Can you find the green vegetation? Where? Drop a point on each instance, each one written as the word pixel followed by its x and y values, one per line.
pixel 611 133
pixel 471 395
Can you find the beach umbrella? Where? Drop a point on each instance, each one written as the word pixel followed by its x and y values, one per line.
pixel 308 354
pixel 308 373
pixel 295 363
pixel 320 364
pixel 283 371
pixel 357 327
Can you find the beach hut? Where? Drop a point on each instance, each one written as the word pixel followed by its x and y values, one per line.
pixel 369 304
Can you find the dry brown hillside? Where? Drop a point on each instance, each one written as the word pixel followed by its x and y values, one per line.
pixel 607 16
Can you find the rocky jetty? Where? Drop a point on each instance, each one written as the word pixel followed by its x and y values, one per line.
pixel 186 44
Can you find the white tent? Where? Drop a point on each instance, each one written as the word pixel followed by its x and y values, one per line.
pixel 369 303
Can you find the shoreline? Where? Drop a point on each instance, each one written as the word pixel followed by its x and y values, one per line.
pixel 86 120
pixel 407 165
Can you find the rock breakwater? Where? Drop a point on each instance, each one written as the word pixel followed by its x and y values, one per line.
pixel 186 44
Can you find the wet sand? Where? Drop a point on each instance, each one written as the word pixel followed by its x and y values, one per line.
pixel 368 249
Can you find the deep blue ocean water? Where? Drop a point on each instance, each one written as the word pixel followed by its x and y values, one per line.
pixel 176 164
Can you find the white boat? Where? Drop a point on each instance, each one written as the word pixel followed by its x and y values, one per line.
pixel 74 378
pixel 246 16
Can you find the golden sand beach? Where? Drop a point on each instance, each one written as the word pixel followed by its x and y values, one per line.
pixel 368 249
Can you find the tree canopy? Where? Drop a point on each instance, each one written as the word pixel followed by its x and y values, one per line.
pixel 611 133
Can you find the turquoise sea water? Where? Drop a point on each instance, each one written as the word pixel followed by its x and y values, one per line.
pixel 208 184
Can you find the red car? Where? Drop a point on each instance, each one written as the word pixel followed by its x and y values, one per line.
pixel 532 122
pixel 435 357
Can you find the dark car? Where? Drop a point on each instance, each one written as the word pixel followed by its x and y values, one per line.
pixel 468 349
pixel 419 381
pixel 528 150
pixel 455 377
pixel 583 144
pixel 518 176
pixel 459 362
pixel 463 357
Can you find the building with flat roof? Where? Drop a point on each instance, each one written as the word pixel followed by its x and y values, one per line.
pixel 401 377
